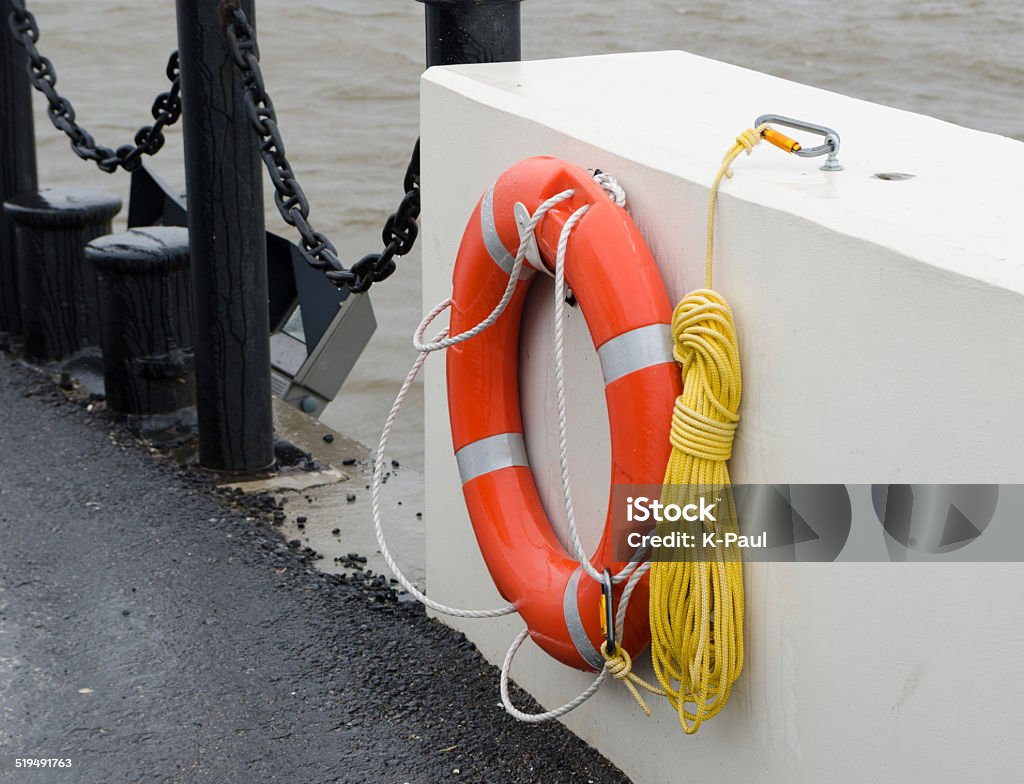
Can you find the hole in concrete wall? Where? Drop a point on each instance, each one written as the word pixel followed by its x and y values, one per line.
pixel 892 176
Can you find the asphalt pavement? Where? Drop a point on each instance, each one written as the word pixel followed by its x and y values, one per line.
pixel 149 632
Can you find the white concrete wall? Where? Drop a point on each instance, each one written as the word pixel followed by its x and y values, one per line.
pixel 882 337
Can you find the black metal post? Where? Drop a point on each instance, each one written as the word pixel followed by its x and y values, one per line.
pixel 57 287
pixel 472 31
pixel 17 161
pixel 146 324
pixel 224 187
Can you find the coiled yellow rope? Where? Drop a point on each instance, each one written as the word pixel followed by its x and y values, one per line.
pixel 696 600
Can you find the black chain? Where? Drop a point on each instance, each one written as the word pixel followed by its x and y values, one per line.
pixel 148 140
pixel 400 230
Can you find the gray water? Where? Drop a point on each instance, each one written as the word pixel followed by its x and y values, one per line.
pixel 343 75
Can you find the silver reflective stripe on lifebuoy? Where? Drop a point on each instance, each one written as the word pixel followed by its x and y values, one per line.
pixel 573 622
pixel 490 454
pixel 635 350
pixel 495 247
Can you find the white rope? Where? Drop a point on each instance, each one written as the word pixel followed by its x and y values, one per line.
pixel 536 718
pixel 587 693
pixel 378 474
pixel 611 187
pixel 442 341
pixel 513 279
pixel 636 568
pixel 563 425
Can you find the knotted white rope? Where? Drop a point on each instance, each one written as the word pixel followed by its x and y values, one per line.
pixel 611 187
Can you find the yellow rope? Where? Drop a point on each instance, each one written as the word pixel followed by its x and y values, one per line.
pixel 745 142
pixel 696 601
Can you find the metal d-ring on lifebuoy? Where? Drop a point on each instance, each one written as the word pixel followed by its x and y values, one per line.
pixel 618 287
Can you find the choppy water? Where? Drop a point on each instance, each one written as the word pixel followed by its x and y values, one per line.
pixel 343 74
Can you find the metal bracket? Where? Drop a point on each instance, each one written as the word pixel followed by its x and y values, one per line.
pixel 317 332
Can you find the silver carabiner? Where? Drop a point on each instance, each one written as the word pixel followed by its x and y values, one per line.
pixel 830 147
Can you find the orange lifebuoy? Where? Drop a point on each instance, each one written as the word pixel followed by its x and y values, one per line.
pixel 619 289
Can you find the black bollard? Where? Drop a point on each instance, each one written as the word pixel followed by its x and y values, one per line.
pixel 228 243
pixel 472 31
pixel 57 287
pixel 146 323
pixel 17 162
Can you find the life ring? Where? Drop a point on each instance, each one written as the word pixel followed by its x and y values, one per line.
pixel 618 287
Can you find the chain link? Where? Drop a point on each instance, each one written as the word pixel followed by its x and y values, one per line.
pixel 148 140
pixel 400 229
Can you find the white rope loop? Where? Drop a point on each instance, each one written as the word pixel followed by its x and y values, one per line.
pixel 611 187
pixel 440 342
pixel 586 694
pixel 563 425
pixel 616 194
pixel 378 475
pixel 510 289
pixel 536 718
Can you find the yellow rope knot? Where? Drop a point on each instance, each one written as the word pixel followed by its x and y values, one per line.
pixel 705 346
pixel 746 141
pixel 620 666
